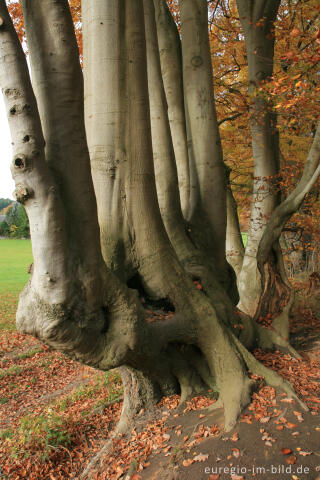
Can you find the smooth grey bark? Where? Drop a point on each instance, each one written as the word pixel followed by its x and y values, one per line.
pixel 64 291
pixel 171 68
pixel 199 97
pixel 234 244
pixel 86 311
pixel 207 214
pixel 194 260
pixel 257 18
pixel 105 110
pixel 35 187
pixel 193 254
pixel 162 145
pixel 57 74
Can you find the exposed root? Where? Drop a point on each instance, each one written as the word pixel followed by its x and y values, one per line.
pixel 190 369
pixel 95 460
pixel 139 393
pixel 202 369
pixel 233 403
pixel 235 388
pixel 277 336
pixel 229 368
pixel 215 406
pixel 271 377
pixel 124 426
pixel 186 391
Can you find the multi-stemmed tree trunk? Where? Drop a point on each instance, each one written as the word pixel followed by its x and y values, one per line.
pixel 73 300
pixel 169 45
pixel 188 88
pixel 257 20
pixel 205 155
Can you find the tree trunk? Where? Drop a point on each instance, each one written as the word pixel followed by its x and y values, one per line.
pixel 270 238
pixel 257 20
pixel 207 214
pixel 194 260
pixel 162 144
pixel 234 243
pixel 205 137
pixel 105 111
pixel 171 68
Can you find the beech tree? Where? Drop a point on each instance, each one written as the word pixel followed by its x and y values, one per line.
pixel 263 285
pixel 98 170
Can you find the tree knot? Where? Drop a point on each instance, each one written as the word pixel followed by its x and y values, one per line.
pixel 22 193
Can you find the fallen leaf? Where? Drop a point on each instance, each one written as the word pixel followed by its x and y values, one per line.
pixel 236 452
pixel 295 32
pixel 264 420
pixel 291 425
pixel 313 399
pixel 201 457
pixel 291 460
pixel 305 454
pixel 234 437
pixel 286 451
pixel 214 477
pixel 187 462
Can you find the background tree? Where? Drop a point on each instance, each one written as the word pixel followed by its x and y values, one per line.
pixel 16 223
pixel 4 202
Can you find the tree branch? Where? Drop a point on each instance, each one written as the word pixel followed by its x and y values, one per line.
pixel 290 205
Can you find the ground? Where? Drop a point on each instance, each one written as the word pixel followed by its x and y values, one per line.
pixel 56 415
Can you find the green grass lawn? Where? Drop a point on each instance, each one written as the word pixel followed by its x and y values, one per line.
pixel 244 238
pixel 15 257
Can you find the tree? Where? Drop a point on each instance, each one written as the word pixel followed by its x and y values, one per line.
pixel 16 224
pixel 4 202
pixel 4 229
pixel 105 245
